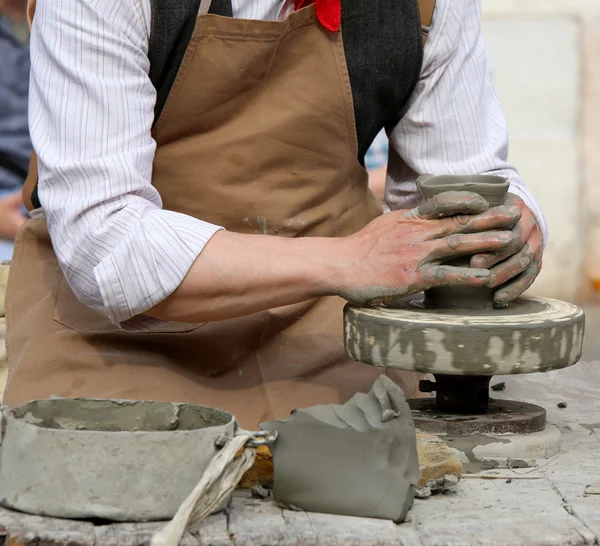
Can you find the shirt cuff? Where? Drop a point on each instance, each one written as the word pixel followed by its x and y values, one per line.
pixel 149 264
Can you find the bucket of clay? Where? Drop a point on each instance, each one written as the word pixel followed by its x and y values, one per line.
pixel 120 460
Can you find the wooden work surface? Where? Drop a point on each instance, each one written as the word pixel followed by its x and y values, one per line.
pixel 543 506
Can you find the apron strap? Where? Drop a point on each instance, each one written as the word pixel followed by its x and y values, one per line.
pixel 426 9
pixel 204 7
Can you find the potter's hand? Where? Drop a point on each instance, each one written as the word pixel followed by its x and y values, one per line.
pixel 400 253
pixel 11 217
pixel 515 268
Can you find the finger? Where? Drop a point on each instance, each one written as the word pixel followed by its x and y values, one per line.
pixel 521 283
pixel 450 203
pixel 485 261
pixel 446 275
pixel 494 218
pixel 511 267
pixel 469 243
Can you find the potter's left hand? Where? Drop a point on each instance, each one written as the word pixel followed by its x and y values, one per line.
pixel 11 216
pixel 514 269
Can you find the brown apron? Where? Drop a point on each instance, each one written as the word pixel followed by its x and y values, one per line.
pixel 257 135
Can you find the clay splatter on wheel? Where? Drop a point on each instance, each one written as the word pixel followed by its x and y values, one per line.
pixel 530 335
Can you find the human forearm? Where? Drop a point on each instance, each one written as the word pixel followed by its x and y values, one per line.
pixel 395 255
pixel 237 275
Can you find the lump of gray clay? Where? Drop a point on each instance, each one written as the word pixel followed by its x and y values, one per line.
pixel 357 459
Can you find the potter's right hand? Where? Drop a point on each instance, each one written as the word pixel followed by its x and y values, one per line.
pixel 397 254
pixel 400 253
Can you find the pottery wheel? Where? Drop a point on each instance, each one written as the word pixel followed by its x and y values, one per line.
pixel 457 335
pixel 529 335
pixel 501 417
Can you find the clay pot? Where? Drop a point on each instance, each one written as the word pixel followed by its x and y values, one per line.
pixel 493 189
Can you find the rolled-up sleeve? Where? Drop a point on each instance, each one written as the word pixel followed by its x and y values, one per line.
pixel 454 123
pixel 91 112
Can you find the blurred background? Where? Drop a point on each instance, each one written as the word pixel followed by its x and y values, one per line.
pixel 15 146
pixel 546 60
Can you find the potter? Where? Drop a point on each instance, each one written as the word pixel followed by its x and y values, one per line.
pixel 201 219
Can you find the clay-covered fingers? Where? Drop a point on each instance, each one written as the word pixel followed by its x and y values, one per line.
pixel 446 275
pixel 449 203
pixel 465 244
pixel 512 266
pixel 522 232
pixel 494 218
pixel 519 284
pixel 515 268
pixel 490 259
pixel 517 273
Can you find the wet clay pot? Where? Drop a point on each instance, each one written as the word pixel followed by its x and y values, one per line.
pixel 494 190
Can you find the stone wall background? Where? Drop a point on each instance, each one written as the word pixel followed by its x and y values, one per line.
pixel 545 56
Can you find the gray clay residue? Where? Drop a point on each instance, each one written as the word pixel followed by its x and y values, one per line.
pixel 592 427
pixel 118 415
pixel 514 308
pixel 468 444
pixel 530 335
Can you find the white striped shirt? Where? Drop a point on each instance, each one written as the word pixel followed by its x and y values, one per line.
pixel 92 108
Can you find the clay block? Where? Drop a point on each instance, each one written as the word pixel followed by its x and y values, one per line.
pixel 356 459
pixel 436 460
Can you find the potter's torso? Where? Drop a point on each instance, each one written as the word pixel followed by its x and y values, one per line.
pixel 263 129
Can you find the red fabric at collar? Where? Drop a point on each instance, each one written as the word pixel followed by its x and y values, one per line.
pixel 329 12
